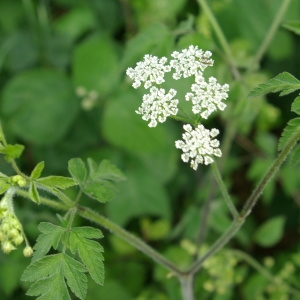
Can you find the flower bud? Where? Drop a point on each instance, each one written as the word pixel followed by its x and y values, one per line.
pixel 18 240
pixel 13 233
pixel 7 247
pixel 28 251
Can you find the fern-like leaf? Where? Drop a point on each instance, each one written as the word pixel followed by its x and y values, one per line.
pixel 292 130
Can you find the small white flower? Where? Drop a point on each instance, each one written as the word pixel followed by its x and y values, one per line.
pixel 157 106
pixel 207 97
pixel 150 70
pixel 190 62
pixel 199 145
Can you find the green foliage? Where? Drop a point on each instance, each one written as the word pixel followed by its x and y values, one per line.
pixel 293 26
pixel 51 275
pixel 97 181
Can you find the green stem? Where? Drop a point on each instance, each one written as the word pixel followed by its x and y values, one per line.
pixel 224 191
pixel 251 201
pixel 263 271
pixel 186 284
pixel 222 39
pixel 270 34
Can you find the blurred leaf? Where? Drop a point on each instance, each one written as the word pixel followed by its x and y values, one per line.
pixel 95 65
pixel 99 181
pixel 295 156
pixel 296 106
pixel 293 26
pixel 140 195
pixel 37 171
pixel 12 151
pixel 155 230
pixel 291 131
pixel 285 83
pixel 270 233
pixel 35 102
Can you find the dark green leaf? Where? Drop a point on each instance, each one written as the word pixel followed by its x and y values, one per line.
pixel 269 233
pixel 34 194
pixel 293 26
pixel 58 182
pixel 296 106
pixel 34 103
pixel 37 171
pixel 295 156
pixel 285 83
pixel 50 237
pixel 291 131
pixel 90 252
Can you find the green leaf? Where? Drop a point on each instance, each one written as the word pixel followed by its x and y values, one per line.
pixel 34 194
pixel 50 274
pixel 295 156
pixel 33 110
pixel 296 106
pixel 285 83
pixel 293 26
pixel 37 171
pixel 100 181
pixel 12 151
pixel 291 131
pixel 90 252
pixel 50 237
pixel 270 233
pixel 59 182
pixel 4 186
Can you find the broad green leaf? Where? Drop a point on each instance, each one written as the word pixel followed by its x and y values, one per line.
pixel 50 273
pixel 58 182
pixel 12 151
pixel 293 26
pixel 95 65
pixel 296 106
pixel 140 195
pixel 90 252
pixel 33 110
pixel 291 131
pixel 37 171
pixel 34 194
pixel 50 237
pixel 99 181
pixel 285 83
pixel 270 233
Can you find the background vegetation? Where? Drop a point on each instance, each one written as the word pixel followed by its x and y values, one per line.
pixel 64 94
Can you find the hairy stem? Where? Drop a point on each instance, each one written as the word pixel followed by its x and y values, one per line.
pixel 186 284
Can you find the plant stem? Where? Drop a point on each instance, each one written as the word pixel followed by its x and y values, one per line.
pixel 221 38
pixel 186 284
pixel 269 36
pixel 251 201
pixel 224 191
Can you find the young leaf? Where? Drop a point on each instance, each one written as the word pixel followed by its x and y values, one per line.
pixel 58 182
pixel 4 186
pixel 296 106
pixel 285 83
pixel 50 237
pixel 90 252
pixel 50 274
pixel 291 131
pixel 12 151
pixel 293 26
pixel 37 171
pixel 34 194
pixel 99 181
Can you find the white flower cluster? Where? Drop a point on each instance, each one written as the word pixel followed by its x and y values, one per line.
pixel 199 145
pixel 206 97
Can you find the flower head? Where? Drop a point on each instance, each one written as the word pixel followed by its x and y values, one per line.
pixel 149 71
pixel 207 96
pixel 157 106
pixel 199 145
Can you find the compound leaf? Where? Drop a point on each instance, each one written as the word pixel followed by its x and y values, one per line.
pixel 90 252
pixel 285 83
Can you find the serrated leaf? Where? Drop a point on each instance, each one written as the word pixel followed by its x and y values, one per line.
pixel 12 151
pixel 37 171
pixel 296 106
pixel 291 131
pixel 50 272
pixel 34 194
pixel 99 181
pixel 293 26
pixel 285 83
pixel 50 237
pixel 59 182
pixel 90 252
pixel 269 233
pixel 295 156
